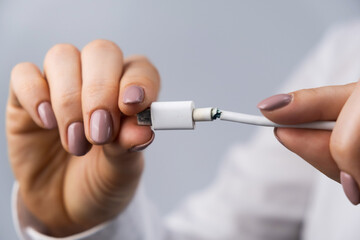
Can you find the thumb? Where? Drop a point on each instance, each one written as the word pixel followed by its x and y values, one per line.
pixel 121 162
pixel 307 105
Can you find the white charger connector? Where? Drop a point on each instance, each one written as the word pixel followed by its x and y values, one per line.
pixel 172 115
pixel 183 115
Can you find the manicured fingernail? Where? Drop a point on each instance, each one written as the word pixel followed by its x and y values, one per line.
pixel 141 147
pixel 275 102
pixel 277 137
pixel 47 115
pixel 350 187
pixel 78 145
pixel 100 126
pixel 133 94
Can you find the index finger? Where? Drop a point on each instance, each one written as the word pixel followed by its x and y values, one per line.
pixel 307 105
pixel 139 85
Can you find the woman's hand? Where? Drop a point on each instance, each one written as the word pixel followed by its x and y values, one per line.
pixel 72 134
pixel 336 153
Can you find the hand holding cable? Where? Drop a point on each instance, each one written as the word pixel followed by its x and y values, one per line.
pixel 335 153
pixel 302 121
pixel 73 141
pixel 181 115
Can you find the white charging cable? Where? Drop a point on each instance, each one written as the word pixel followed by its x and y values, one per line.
pixel 183 115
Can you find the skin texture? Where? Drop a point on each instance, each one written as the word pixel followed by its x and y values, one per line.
pixel 68 193
pixel 329 152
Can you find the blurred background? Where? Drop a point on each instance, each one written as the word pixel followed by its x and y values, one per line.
pixel 229 54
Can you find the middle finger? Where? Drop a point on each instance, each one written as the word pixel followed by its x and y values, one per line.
pixel 102 66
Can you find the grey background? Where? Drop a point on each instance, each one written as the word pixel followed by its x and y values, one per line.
pixel 229 54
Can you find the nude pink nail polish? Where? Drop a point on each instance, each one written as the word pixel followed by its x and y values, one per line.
pixel 141 147
pixel 350 187
pixel 275 102
pixel 78 145
pixel 47 115
pixel 133 94
pixel 101 126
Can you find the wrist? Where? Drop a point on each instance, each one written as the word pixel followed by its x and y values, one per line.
pixel 27 220
pixel 26 224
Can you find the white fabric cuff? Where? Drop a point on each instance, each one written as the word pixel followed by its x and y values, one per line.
pixel 139 220
pixel 26 230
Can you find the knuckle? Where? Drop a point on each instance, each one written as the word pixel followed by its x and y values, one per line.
pixel 306 93
pixel 154 70
pixel 313 91
pixel 151 73
pixel 60 50
pixel 67 100
pixel 100 87
pixel 99 94
pixel 141 61
pixel 139 79
pixel 103 44
pixel 22 66
pixel 310 92
pixel 22 76
pixel 341 149
pixel 139 58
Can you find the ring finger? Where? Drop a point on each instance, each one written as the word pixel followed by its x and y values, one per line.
pixel 63 72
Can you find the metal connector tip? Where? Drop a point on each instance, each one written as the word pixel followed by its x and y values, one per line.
pixel 144 118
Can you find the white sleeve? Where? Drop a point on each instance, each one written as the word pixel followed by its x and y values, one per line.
pixel 138 221
pixel 261 191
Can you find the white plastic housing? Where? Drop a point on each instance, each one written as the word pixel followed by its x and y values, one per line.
pixel 202 114
pixel 172 115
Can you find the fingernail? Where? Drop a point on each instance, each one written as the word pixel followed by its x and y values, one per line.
pixel 133 94
pixel 47 115
pixel 275 102
pixel 350 187
pixel 276 135
pixel 141 147
pixel 100 126
pixel 78 145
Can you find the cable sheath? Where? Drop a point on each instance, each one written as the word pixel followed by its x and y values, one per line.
pixel 262 121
